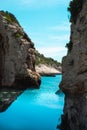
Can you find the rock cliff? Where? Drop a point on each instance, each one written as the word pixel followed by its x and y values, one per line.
pixel 17 60
pixel 74 65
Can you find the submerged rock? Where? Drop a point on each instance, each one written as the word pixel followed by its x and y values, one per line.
pixel 59 92
pixel 74 81
pixel 17 60
pixel 7 96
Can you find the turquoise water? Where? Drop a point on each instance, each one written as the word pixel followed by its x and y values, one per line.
pixel 35 109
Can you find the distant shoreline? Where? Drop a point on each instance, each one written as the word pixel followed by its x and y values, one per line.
pixel 46 70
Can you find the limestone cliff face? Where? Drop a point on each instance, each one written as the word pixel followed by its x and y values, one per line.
pixel 17 59
pixel 74 80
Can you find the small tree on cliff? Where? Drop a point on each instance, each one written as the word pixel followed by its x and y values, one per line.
pixel 74 8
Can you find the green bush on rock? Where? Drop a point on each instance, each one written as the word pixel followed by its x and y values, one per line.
pixel 41 59
pixel 9 17
pixel 74 8
pixel 17 35
pixel 69 46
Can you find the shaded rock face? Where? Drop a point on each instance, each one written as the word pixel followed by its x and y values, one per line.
pixel 74 81
pixel 17 60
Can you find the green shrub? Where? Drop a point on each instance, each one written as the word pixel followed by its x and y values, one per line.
pixel 41 59
pixel 17 35
pixel 74 8
pixel 9 17
pixel 69 46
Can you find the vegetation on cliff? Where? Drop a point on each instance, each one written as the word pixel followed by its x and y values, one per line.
pixel 74 8
pixel 69 46
pixel 41 59
pixel 9 17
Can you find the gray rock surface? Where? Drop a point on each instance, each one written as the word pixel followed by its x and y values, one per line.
pixel 17 60
pixel 74 81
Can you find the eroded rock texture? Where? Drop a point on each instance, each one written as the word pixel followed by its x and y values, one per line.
pixel 74 81
pixel 17 60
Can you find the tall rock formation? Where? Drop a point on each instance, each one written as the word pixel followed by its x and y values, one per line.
pixel 17 60
pixel 74 80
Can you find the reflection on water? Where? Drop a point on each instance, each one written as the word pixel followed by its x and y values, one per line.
pixel 35 109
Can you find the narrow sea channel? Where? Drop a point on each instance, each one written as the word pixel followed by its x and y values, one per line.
pixel 37 109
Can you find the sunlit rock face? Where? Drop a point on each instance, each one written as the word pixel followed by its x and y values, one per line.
pixel 74 80
pixel 47 70
pixel 17 60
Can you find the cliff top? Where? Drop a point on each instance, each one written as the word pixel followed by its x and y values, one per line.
pixel 9 17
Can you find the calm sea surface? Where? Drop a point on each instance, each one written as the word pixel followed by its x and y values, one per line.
pixel 35 109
